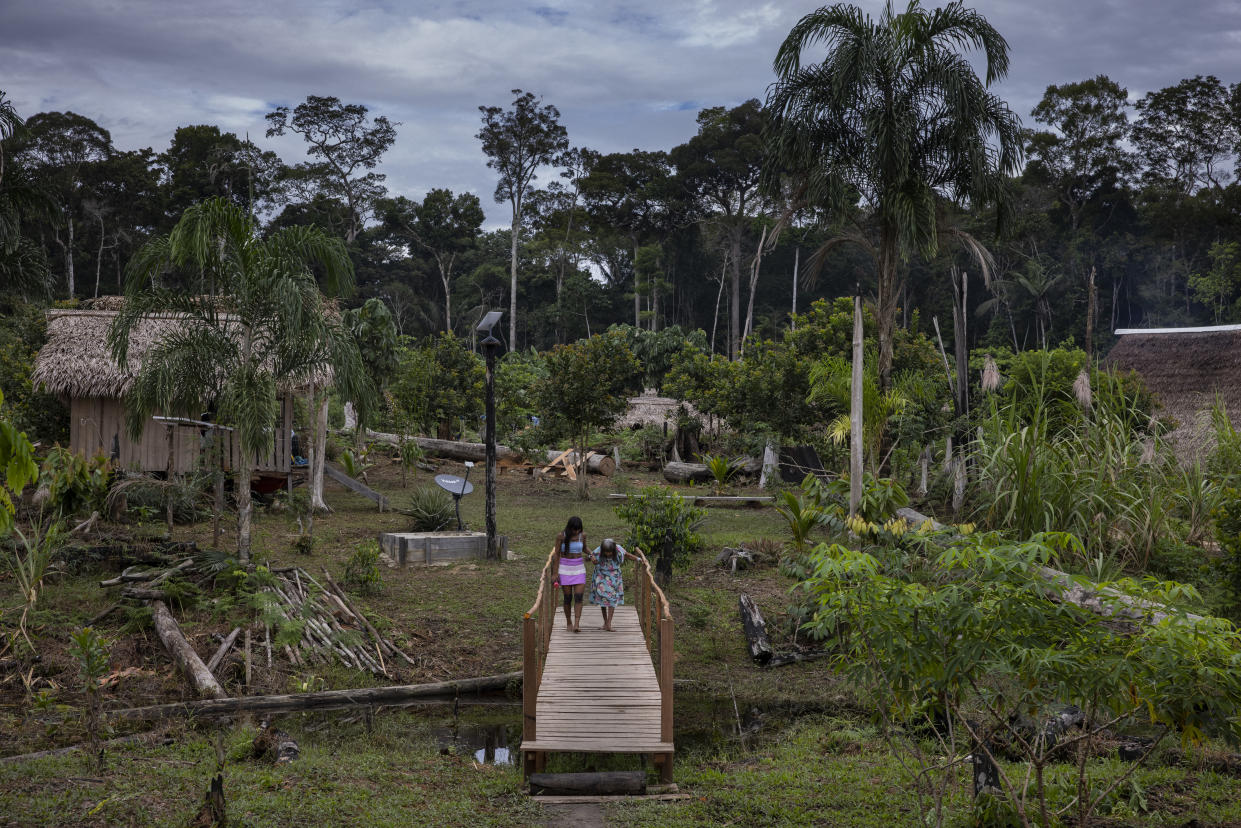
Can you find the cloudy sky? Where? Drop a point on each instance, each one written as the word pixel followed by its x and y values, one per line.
pixel 623 75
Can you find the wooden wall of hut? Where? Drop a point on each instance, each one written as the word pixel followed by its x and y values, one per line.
pixel 97 427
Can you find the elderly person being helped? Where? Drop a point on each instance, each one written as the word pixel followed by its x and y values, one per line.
pixel 571 546
pixel 607 587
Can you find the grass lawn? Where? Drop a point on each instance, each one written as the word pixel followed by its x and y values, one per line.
pixel 809 755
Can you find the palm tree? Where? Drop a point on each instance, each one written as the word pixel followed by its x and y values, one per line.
pixel 23 267
pixel 262 328
pixel 893 117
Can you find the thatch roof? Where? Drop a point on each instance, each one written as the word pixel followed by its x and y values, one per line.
pixel 1187 369
pixel 76 361
pixel 650 409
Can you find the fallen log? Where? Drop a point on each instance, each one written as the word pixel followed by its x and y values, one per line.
pixel 677 472
pixel 601 464
pixel 755 630
pixel 223 651
pixel 183 654
pixel 623 783
pixel 451 449
pixel 321 699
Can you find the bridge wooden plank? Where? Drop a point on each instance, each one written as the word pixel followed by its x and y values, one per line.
pixel 599 692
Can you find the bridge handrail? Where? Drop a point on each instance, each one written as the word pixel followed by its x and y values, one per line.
pixel 655 616
pixel 536 634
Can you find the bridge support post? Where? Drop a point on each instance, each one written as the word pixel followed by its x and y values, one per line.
pixel 529 690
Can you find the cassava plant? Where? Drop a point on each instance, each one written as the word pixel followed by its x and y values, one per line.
pixel 980 654
pixel 91 653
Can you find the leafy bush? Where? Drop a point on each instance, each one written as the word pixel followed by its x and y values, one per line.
pixel 23 330
pixel 438 381
pixel 722 471
pixel 977 652
pixel 73 484
pixel 431 508
pixel 146 495
pixel 1228 534
pixel 645 445
pixel 517 374
pixel 362 569
pixel 663 524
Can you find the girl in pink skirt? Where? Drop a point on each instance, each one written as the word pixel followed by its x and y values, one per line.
pixel 571 546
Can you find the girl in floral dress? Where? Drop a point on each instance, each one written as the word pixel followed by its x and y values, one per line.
pixel 607 587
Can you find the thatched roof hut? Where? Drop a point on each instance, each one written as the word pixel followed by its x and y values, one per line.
pixel 77 365
pixel 651 409
pixel 76 361
pixel 1187 369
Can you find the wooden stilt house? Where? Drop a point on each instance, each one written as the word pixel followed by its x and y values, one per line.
pixel 77 365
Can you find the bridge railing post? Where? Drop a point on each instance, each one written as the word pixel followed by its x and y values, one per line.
pixel 665 694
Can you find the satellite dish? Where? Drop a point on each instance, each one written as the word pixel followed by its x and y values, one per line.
pixel 455 486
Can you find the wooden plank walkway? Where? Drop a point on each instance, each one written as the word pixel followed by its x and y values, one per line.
pixel 595 691
pixel 599 692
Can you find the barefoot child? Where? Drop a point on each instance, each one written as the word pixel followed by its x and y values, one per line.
pixel 607 587
pixel 571 546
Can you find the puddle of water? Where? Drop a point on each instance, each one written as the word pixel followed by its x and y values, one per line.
pixel 489 744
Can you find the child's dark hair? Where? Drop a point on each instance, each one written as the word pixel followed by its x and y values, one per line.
pixel 573 527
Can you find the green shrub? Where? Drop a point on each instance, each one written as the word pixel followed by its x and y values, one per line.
pixel 91 653
pixel 73 484
pixel 431 509
pixel 662 524
pixel 362 569
pixel 1228 533
pixel 978 642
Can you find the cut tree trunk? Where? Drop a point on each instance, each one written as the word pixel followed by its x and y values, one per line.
pixel 755 630
pixel 395 694
pixel 698 472
pixel 595 464
pixel 317 503
pixel 452 449
pixel 606 782
pixel 181 651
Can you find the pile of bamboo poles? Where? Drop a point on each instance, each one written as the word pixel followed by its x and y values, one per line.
pixel 332 626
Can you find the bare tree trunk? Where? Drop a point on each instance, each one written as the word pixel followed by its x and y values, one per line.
pixel 512 298
pixel 749 311
pixel 734 318
pixel 855 413
pixel 637 293
pixel 715 319
pixel 99 254
pixel 317 503
pixel 1091 301
pixel 446 278
pixel 69 275
pixel 796 267
pixel 885 309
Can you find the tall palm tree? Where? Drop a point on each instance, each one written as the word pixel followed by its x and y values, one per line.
pixel 893 117
pixel 262 328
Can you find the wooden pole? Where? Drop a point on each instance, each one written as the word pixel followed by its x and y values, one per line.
pixel 855 412
pixel 218 437
pixel 168 475
pixel 665 693
pixel 529 686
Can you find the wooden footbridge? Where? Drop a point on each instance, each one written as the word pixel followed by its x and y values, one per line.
pixel 597 691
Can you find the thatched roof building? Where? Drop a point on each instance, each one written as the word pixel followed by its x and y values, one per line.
pixel 77 365
pixel 76 361
pixel 1187 369
pixel 651 409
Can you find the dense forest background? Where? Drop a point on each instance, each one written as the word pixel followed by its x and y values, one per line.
pixel 1139 199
